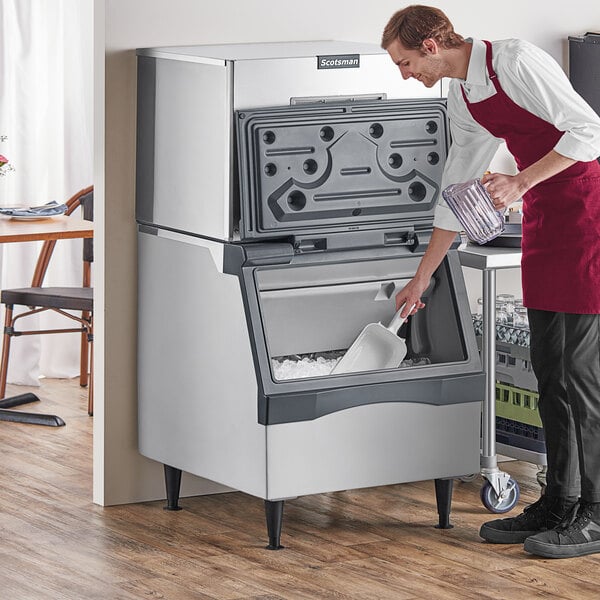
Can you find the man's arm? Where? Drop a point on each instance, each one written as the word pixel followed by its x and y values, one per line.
pixel 536 82
pixel 410 295
pixel 506 189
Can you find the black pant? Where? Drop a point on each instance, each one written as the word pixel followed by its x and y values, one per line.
pixel 565 356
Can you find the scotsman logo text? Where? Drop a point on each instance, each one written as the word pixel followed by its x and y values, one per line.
pixel 338 61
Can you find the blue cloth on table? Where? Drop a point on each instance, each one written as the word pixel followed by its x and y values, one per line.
pixel 46 210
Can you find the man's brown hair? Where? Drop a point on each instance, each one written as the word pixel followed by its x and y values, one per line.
pixel 416 23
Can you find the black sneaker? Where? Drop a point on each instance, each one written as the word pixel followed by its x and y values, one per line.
pixel 576 536
pixel 540 516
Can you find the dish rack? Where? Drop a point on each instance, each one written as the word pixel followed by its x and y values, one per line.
pixel 519 431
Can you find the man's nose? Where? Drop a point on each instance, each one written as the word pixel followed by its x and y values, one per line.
pixel 406 74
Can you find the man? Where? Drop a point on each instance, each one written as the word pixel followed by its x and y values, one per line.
pixel 514 91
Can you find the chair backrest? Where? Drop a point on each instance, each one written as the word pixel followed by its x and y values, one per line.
pixel 85 199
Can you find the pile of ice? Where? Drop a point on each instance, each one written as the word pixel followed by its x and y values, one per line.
pixel 319 365
pixel 288 368
pixel 417 361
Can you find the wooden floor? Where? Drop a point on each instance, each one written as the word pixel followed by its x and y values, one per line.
pixel 376 543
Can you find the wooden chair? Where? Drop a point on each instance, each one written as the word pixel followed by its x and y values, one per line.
pixel 57 299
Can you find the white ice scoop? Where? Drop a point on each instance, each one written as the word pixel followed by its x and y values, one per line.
pixel 377 347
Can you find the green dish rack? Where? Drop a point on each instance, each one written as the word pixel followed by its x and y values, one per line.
pixel 519 431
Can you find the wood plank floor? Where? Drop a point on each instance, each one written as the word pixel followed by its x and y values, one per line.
pixel 377 543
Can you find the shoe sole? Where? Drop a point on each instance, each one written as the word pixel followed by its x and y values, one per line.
pixel 547 550
pixel 496 536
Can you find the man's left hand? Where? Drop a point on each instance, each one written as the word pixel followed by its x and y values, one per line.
pixel 503 189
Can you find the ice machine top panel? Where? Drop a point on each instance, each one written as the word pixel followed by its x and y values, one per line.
pixel 316 169
pixel 261 51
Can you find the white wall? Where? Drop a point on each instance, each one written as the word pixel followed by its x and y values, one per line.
pixel 121 475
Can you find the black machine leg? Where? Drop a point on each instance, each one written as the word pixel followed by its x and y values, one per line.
pixel 274 513
pixel 173 484
pixel 443 497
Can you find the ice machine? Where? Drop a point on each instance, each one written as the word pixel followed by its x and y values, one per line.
pixel 285 193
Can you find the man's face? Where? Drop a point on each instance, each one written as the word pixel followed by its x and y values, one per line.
pixel 427 66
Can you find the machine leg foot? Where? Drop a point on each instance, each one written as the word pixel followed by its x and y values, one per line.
pixel 18 400
pixel 443 498
pixel 17 416
pixel 173 485
pixel 274 514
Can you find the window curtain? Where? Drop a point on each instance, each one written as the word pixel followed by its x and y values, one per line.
pixel 46 133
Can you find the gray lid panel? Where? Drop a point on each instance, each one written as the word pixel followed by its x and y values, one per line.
pixel 337 168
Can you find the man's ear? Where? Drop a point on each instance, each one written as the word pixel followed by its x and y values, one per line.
pixel 429 46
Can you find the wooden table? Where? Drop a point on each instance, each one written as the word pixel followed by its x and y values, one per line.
pixel 53 228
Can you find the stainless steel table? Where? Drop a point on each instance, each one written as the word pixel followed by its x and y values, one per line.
pixel 501 492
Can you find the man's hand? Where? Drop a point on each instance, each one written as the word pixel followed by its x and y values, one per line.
pixel 504 189
pixel 410 297
pixel 410 294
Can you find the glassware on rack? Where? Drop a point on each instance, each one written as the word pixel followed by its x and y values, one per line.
pixel 507 303
pixel 501 315
pixel 520 317
pixel 508 300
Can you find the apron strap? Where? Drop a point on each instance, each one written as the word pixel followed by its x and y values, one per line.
pixel 490 70
pixel 488 61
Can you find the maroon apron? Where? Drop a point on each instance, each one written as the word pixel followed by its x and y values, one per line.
pixel 561 216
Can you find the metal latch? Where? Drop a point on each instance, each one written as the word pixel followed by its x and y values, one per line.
pixel 400 238
pixel 310 245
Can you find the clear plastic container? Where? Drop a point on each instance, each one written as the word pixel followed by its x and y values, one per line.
pixel 473 207
pixel 520 318
pixel 508 302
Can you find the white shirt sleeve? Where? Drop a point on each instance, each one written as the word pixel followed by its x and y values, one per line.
pixel 535 81
pixel 470 154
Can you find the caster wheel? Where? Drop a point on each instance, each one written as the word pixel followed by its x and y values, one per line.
pixel 503 503
pixel 468 478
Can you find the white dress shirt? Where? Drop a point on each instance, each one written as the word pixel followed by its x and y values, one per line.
pixel 534 81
